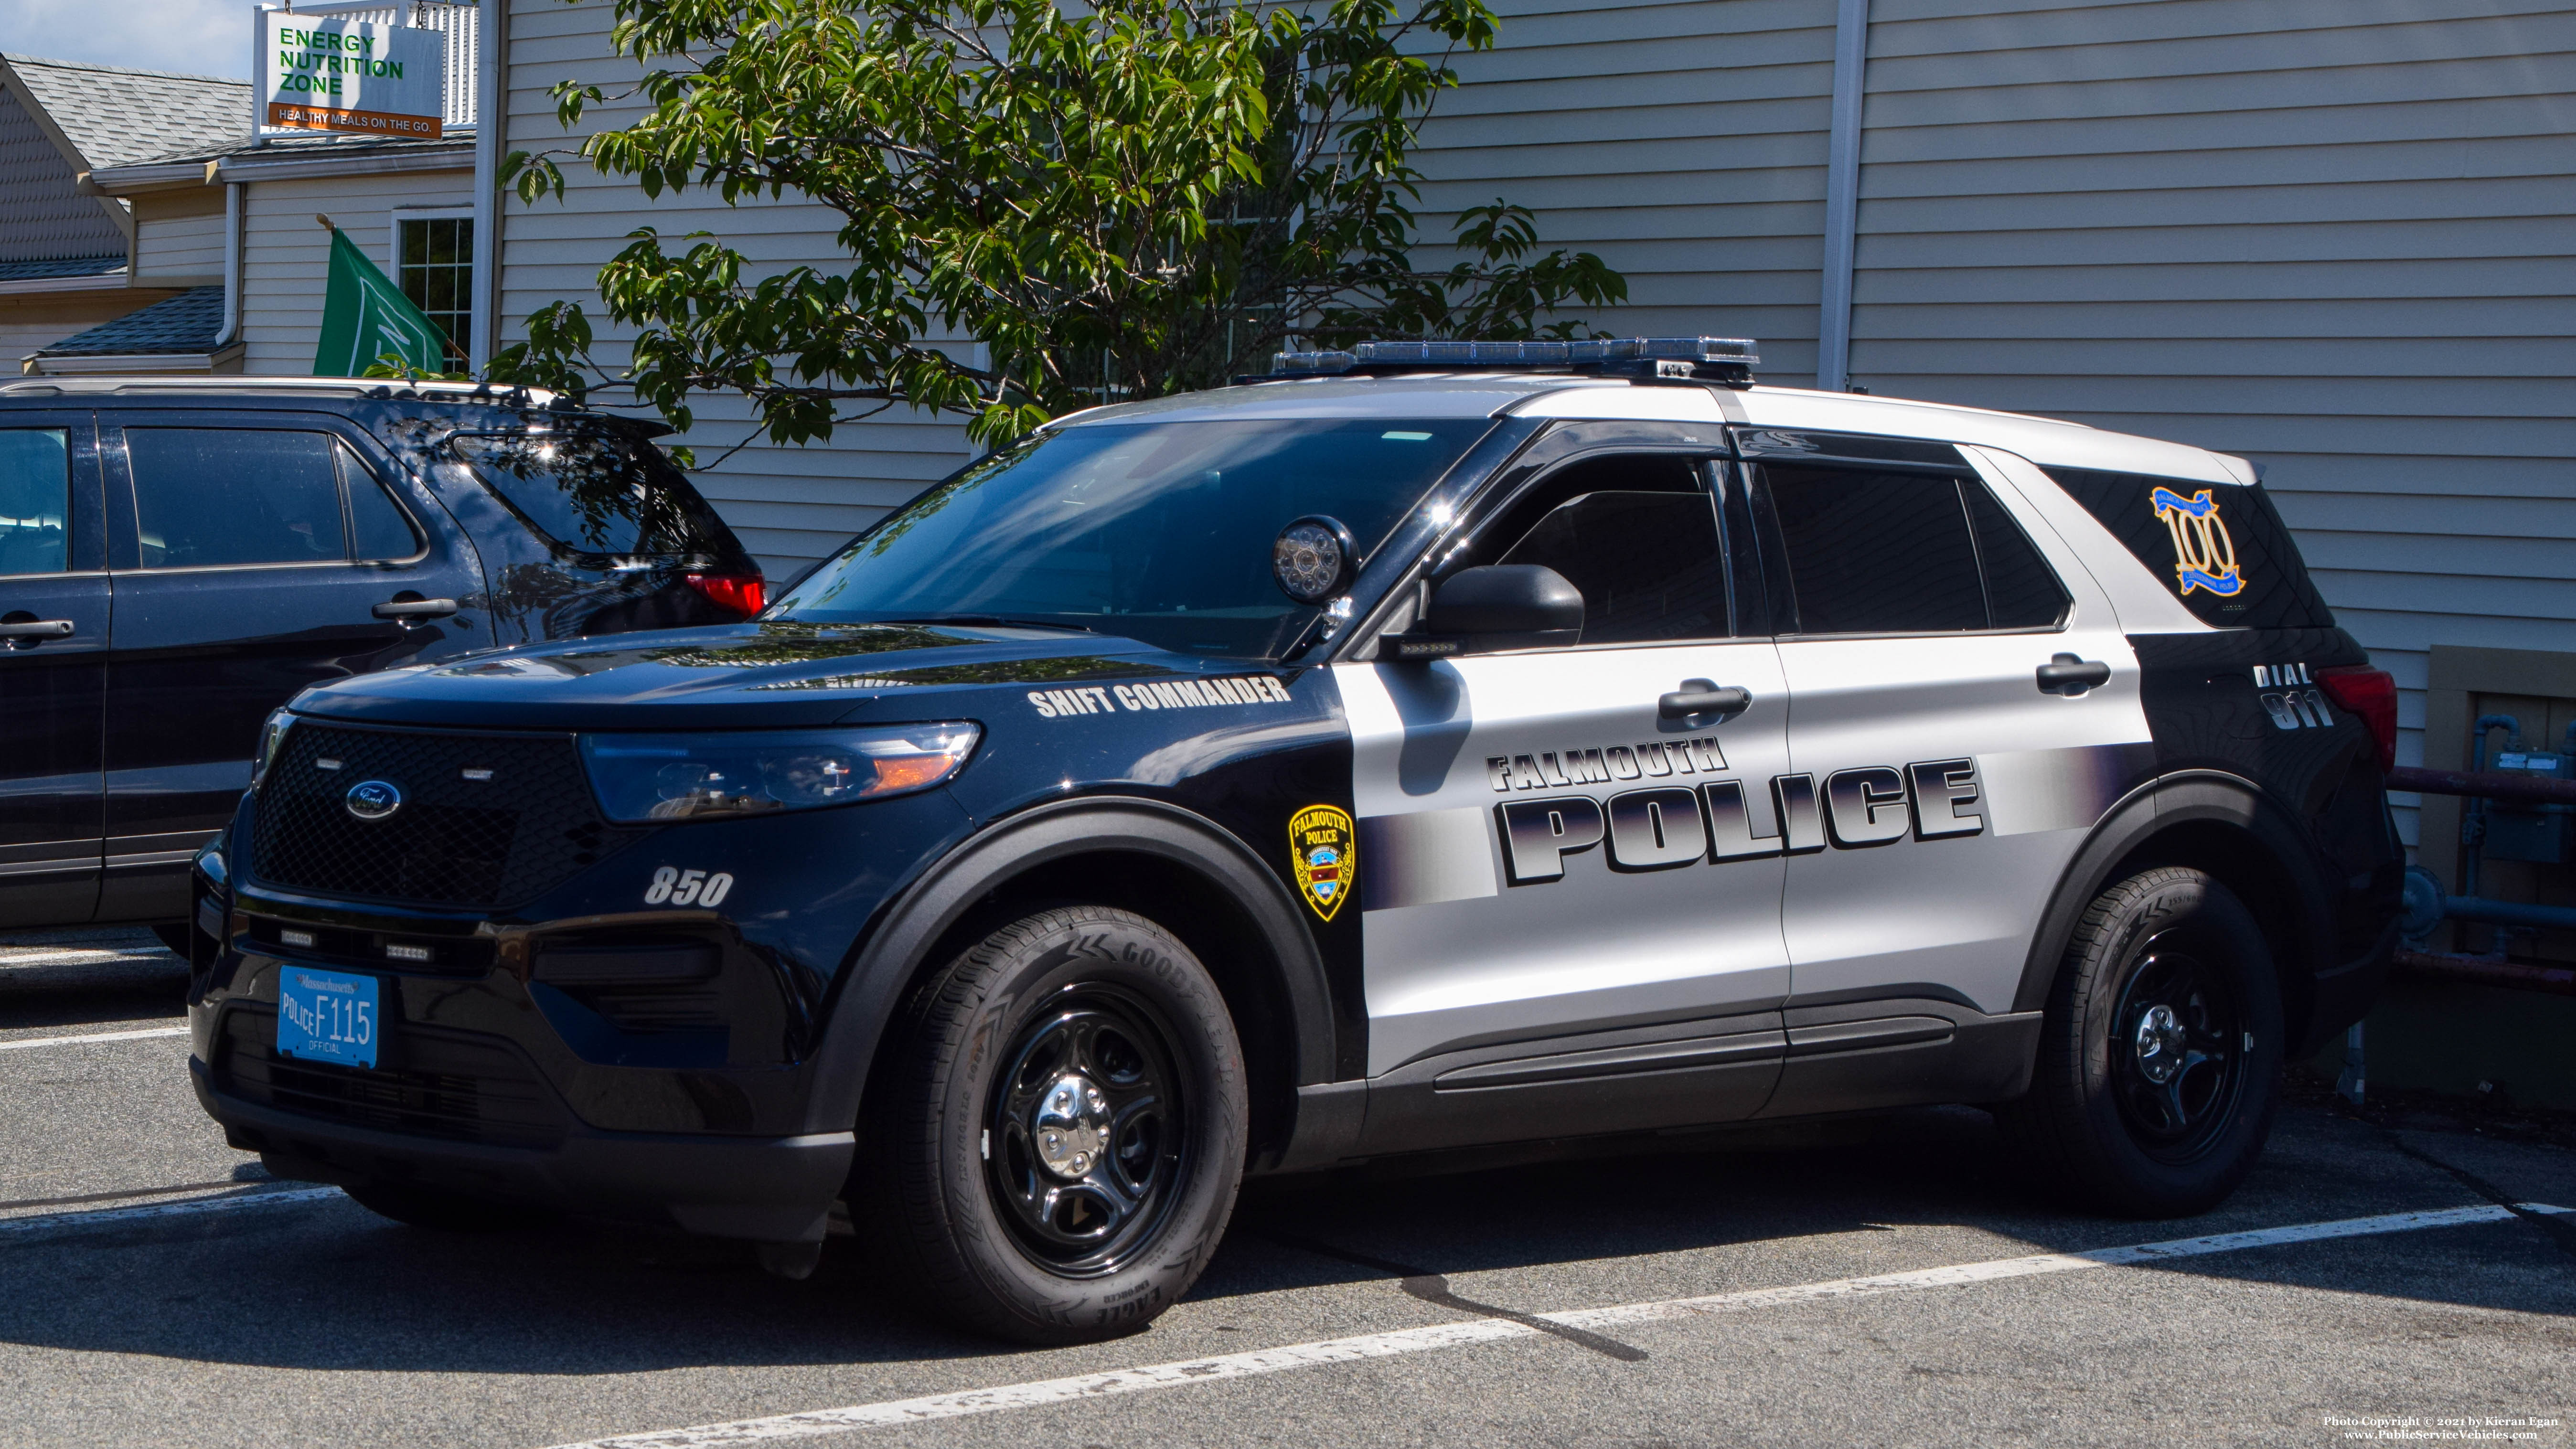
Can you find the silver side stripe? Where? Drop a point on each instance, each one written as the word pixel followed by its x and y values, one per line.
pixel 41 867
pixel 2028 791
pixel 153 857
pixel 1425 858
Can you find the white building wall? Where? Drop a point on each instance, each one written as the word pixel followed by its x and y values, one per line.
pixel 286 254
pixel 179 250
pixel 2338 237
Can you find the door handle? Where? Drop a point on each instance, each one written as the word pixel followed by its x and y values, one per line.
pixel 416 609
pixel 37 629
pixel 1699 696
pixel 2070 675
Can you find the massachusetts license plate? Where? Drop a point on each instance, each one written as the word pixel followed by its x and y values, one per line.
pixel 328 1016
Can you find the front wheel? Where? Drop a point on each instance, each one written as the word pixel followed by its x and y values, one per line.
pixel 1053 1150
pixel 2161 1052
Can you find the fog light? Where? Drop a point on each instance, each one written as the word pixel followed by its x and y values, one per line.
pixel 398 952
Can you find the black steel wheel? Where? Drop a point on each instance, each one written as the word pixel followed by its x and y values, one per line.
pixel 2160 1051
pixel 1052 1142
pixel 1089 1129
pixel 2177 1051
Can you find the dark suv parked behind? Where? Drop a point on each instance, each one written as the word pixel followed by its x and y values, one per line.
pixel 179 557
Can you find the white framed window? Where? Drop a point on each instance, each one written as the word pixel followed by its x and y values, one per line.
pixel 433 263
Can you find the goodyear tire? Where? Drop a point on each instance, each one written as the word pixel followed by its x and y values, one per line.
pixel 2160 1056
pixel 1053 1149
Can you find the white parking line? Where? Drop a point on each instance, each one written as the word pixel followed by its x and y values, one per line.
pixel 1491 1330
pixel 52 1041
pixel 191 1207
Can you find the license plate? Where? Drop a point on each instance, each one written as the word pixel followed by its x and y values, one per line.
pixel 328 1016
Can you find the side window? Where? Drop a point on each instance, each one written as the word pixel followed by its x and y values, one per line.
pixel 378 527
pixel 1877 553
pixel 207 496
pixel 35 501
pixel 1637 534
pixel 2021 592
pixel 2221 547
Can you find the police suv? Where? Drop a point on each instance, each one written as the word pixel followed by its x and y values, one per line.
pixel 1435 745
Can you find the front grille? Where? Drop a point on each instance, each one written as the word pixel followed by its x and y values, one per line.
pixel 445 956
pixel 524 828
pixel 444 1084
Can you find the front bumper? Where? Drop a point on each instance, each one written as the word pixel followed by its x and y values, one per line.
pixel 774 1189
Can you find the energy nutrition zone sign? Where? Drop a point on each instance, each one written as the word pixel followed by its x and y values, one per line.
pixel 347 75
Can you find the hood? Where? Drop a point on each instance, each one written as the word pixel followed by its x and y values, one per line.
pixel 776 674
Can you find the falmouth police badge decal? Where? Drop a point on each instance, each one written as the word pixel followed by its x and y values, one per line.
pixel 1320 840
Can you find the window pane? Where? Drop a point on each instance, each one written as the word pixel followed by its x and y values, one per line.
pixel 2221 547
pixel 1647 564
pixel 1157 531
pixel 234 496
pixel 378 525
pixel 2021 592
pixel 1877 553
pixel 35 500
pixel 591 490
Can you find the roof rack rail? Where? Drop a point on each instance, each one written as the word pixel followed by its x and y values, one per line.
pixel 1727 360
pixel 111 385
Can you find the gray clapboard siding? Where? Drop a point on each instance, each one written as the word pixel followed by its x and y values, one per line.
pixel 790 505
pixel 2335 238
pixel 1683 142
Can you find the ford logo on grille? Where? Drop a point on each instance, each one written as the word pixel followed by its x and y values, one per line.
pixel 373 799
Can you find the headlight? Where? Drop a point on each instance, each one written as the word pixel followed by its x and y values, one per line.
pixel 272 733
pixel 712 776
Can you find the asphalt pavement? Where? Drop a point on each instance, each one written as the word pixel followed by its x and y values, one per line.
pixel 1880 1281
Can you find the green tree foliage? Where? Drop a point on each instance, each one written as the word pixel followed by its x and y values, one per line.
pixel 1133 198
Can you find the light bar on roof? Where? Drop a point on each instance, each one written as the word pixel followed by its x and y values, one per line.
pixel 1311 361
pixel 1733 352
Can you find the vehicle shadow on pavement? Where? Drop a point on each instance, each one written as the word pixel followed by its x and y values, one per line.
pixel 330 1286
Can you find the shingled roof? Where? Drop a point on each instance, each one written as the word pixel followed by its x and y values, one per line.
pixel 184 323
pixel 114 115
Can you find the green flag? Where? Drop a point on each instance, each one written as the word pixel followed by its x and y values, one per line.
pixel 365 316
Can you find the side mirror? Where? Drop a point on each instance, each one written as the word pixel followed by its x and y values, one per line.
pixel 1494 606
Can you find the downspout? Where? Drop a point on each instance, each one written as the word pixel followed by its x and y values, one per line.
pixel 1842 195
pixel 491 23
pixel 231 330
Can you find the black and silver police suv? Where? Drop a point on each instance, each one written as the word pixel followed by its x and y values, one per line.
pixel 179 556
pixel 1444 744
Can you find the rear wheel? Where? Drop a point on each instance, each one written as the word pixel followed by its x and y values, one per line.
pixel 2160 1058
pixel 1053 1150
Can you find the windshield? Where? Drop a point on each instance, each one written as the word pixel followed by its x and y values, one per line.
pixel 1157 531
pixel 595 491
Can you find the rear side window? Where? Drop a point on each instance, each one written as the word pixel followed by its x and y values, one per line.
pixel 211 496
pixel 2221 547
pixel 378 528
pixel 35 500
pixel 2021 593
pixel 594 491
pixel 1905 553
